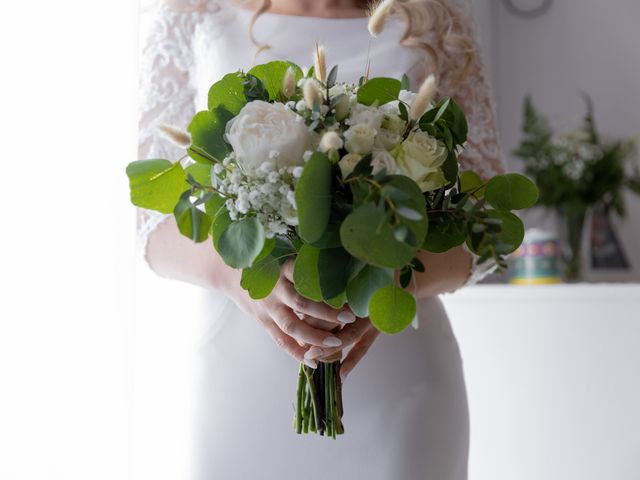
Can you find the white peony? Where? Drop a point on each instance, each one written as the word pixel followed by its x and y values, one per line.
pixel 359 139
pixel 348 163
pixel 420 157
pixel 267 133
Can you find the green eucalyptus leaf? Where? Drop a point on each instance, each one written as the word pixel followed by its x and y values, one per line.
pixel 313 197
pixel 511 191
pixel 272 74
pixel 470 181
pixel 368 235
pixel 207 130
pixel 241 243
pixel 156 184
pixel 201 172
pixel 405 83
pixel 192 222
pixel 512 231
pixel 362 287
pixel 221 221
pixel 228 93
pixel 381 90
pixel 392 309
pixel 446 231
pixel 306 278
pixel 334 270
pixel 260 279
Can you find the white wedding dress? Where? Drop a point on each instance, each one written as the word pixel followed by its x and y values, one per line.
pixel 406 414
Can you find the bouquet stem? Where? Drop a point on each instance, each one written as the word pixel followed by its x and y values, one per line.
pixel 319 400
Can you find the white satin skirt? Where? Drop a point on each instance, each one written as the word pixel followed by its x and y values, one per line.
pixel 405 406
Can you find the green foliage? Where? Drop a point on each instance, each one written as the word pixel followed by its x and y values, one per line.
pixel 305 273
pixel 156 184
pixel 241 242
pixel 192 222
pixel 362 287
pixel 511 191
pixel 272 75
pixel 381 90
pixel 446 121
pixel 446 230
pixel 392 309
pixel 313 197
pixel 207 135
pixel 334 269
pixel 261 278
pixel 576 169
pixel 227 94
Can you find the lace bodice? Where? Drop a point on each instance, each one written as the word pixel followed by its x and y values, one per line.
pixel 189 44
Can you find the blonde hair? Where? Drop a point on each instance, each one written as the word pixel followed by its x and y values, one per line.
pixel 436 27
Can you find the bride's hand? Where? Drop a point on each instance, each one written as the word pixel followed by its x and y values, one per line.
pixel 360 335
pixel 277 314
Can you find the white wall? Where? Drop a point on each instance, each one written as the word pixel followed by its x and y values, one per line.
pixel 579 45
pixel 552 380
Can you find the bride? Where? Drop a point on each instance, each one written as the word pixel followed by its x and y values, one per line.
pixel 406 411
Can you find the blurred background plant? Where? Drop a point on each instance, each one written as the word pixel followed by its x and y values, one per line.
pixel 577 172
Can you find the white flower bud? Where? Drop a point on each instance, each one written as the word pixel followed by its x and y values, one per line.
pixel 289 83
pixel 423 98
pixel 176 136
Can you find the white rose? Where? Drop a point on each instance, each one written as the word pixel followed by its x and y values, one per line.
pixel 420 157
pixel 267 132
pixel 348 163
pixel 364 115
pixel 359 139
pixel 382 159
pixel 387 140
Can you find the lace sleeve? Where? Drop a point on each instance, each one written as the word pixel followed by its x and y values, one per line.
pixel 482 152
pixel 166 94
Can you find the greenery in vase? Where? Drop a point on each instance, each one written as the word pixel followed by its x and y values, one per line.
pixel 575 171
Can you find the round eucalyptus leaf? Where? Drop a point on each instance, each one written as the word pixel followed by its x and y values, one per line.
pixel 260 279
pixel 228 93
pixel 445 232
pixel 511 191
pixel 306 278
pixel 362 287
pixel 313 197
pixel 192 222
pixel 470 181
pixel 241 242
pixel 512 231
pixel 382 90
pixel 273 73
pixel 334 270
pixel 156 184
pixel 368 235
pixel 392 309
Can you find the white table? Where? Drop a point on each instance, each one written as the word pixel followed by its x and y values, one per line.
pixel 553 377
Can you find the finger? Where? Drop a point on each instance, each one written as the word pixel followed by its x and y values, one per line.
pixel 287 343
pixel 287 269
pixel 288 294
pixel 358 351
pixel 291 325
pixel 349 335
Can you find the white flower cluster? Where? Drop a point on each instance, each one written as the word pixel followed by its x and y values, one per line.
pixel 268 193
pixel 574 152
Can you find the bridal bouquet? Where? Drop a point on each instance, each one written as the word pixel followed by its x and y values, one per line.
pixel 351 181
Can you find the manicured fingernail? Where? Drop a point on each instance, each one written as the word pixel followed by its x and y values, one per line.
pixel 346 316
pixel 313 352
pixel 310 363
pixel 332 342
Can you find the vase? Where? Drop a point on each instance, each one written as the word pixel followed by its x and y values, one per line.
pixel 572 222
